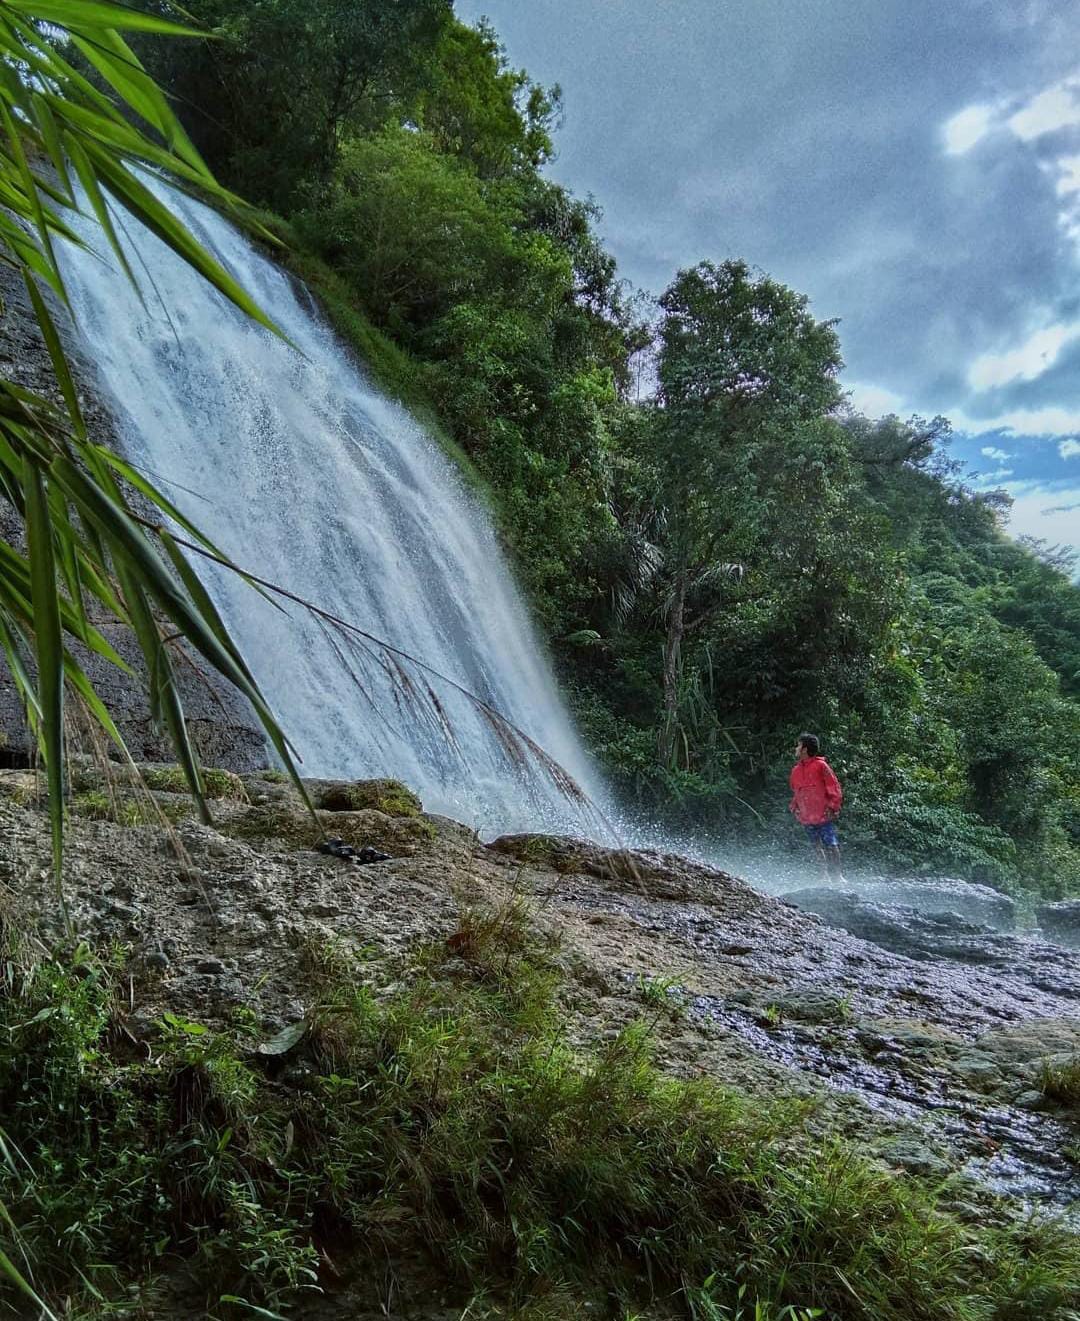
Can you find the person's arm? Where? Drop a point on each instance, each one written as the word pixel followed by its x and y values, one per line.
pixel 834 795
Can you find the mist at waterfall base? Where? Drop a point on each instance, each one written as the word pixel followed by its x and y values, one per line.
pixel 288 458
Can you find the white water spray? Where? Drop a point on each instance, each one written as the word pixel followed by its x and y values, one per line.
pixel 301 471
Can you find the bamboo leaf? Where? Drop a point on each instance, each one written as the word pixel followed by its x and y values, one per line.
pixel 146 208
pixel 120 67
pixel 57 356
pixel 50 658
pixel 9 641
pixel 97 202
pixel 199 596
pixel 34 208
pixel 77 678
pixel 74 17
pixel 50 136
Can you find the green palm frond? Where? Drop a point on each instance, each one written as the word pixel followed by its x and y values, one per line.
pixel 73 147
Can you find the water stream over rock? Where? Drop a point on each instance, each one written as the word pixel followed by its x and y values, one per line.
pixel 300 469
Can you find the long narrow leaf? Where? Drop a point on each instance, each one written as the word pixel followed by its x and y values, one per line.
pixel 57 356
pixel 97 14
pixel 50 136
pixel 119 527
pixel 120 67
pixel 8 1269
pixel 165 702
pixel 50 658
pixel 100 207
pixel 145 207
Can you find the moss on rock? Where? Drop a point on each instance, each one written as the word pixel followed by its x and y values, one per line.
pixel 128 809
pixel 389 796
pixel 294 827
pixel 217 783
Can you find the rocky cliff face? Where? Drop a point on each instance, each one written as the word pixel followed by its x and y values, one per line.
pixel 223 728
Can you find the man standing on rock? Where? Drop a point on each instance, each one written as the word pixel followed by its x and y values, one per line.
pixel 816 798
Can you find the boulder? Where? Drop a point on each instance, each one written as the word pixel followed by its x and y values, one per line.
pixel 900 928
pixel 1061 921
pixel 935 895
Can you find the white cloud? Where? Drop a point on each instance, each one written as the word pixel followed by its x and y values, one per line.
pixel 990 452
pixel 1027 119
pixel 1069 171
pixel 873 400
pixel 966 128
pixel 1057 524
pixel 1001 472
pixel 1049 421
pixel 1024 363
pixel 1055 108
pixel 1069 449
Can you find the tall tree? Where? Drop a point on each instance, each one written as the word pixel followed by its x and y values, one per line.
pixel 269 98
pixel 747 380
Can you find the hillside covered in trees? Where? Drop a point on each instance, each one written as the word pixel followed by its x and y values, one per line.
pixel 718 550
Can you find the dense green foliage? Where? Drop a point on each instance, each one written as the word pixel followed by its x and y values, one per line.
pixel 718 564
pixel 448 1124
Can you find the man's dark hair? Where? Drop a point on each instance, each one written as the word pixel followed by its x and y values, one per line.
pixel 811 743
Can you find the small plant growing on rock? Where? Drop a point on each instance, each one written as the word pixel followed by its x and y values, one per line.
pixel 216 783
pixel 1061 1081
pixel 660 993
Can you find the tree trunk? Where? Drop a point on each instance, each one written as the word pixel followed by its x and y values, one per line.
pixel 672 666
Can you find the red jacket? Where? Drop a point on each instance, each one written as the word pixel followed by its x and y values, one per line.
pixel 816 792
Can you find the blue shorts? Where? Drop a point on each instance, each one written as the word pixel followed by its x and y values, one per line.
pixel 823 835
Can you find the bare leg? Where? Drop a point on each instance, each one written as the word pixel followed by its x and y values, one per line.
pixel 832 862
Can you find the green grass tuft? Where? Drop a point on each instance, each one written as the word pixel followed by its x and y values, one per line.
pixel 1061 1081
pixel 216 783
pixel 129 809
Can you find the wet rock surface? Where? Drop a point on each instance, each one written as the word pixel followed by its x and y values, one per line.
pixel 1061 921
pixel 932 1060
pixel 944 934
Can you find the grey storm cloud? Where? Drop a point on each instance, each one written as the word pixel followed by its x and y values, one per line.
pixel 806 137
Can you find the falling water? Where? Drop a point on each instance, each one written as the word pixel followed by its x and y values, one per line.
pixel 299 469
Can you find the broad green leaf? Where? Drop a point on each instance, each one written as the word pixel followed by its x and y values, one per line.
pixel 285 1040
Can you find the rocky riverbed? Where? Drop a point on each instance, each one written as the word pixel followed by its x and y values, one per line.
pixel 923 1033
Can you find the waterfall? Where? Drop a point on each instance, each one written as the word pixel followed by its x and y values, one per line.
pixel 289 458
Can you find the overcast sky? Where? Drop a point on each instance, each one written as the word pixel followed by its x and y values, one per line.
pixel 911 165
